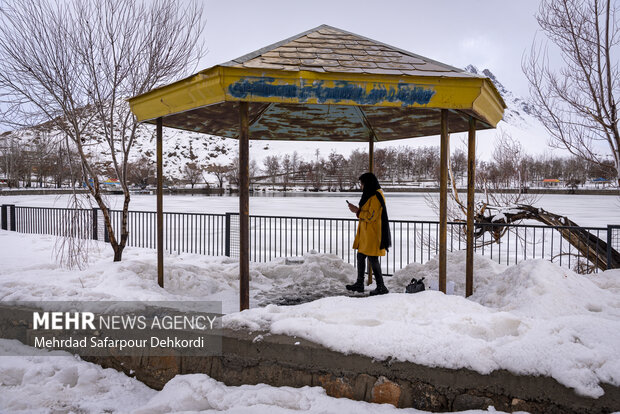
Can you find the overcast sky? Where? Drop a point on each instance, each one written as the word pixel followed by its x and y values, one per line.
pixel 491 34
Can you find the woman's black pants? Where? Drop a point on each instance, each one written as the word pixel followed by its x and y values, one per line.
pixel 374 264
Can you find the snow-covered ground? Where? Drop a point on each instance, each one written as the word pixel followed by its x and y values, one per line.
pixel 34 382
pixel 534 318
pixel 29 272
pixel 585 210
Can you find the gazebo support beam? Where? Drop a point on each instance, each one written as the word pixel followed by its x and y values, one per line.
pixel 471 182
pixel 244 207
pixel 371 137
pixel 371 152
pixel 160 204
pixel 371 164
pixel 443 200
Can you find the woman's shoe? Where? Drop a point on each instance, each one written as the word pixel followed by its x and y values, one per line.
pixel 380 290
pixel 356 287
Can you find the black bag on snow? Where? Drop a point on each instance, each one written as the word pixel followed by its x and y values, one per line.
pixel 415 286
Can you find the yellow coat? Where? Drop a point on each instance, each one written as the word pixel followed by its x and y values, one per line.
pixel 368 237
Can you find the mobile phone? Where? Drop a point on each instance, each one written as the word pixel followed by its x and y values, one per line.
pixel 347 201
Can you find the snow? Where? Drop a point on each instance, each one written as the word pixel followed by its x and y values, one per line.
pixel 34 381
pixel 29 273
pixel 533 318
pixel 62 383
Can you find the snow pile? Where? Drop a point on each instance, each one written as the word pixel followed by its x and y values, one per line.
pixel 29 272
pixel 534 318
pixel 64 383
pixel 200 393
pixel 485 272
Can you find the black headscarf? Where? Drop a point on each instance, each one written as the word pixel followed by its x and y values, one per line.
pixel 371 188
pixel 371 185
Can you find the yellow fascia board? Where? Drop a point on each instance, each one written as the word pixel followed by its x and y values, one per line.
pixel 257 85
pixel 201 89
pixel 217 84
pixel 489 105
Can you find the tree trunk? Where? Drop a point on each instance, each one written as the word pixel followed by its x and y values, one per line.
pixel 588 245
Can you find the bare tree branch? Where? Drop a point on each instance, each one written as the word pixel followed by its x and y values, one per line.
pixel 72 64
pixel 577 103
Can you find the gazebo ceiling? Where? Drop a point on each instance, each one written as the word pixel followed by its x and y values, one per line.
pixel 325 84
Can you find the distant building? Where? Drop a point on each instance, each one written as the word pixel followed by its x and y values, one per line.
pixel 551 182
pixel 601 182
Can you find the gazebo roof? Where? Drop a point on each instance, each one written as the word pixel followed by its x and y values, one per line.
pixel 325 84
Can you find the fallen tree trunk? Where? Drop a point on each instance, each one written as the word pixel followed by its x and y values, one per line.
pixel 588 245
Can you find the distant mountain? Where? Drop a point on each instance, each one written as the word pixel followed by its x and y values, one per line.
pixel 516 105
pixel 518 122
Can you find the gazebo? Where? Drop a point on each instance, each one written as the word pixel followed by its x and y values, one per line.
pixel 326 84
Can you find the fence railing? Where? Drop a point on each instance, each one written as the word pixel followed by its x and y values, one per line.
pixel 285 236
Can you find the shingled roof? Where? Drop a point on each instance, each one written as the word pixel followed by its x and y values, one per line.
pixel 328 49
pixel 325 84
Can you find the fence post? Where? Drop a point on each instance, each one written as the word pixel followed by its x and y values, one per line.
pixel 609 241
pixel 106 235
pixel 95 219
pixel 227 236
pixel 4 218
pixel 12 217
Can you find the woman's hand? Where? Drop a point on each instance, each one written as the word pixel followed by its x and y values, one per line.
pixel 353 208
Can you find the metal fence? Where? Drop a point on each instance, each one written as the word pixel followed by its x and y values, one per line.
pixel 280 236
pixel 183 232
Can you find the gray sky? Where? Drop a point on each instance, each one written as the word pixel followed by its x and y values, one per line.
pixel 490 34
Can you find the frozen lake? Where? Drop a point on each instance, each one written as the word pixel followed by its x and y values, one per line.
pixel 585 210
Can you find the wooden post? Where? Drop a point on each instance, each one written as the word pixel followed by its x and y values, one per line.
pixel 471 182
pixel 443 200
pixel 160 204
pixel 371 164
pixel 371 152
pixel 244 207
pixel 4 220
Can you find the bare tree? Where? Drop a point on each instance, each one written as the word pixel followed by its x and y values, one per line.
pixel 72 64
pixel 499 182
pixel 43 152
pixel 220 172
pixel 233 171
pixel 193 173
pixel 287 170
pixel 272 168
pixel 577 103
pixel 142 172
pixel 65 166
pixel 335 165
pixel 357 165
pixel 459 163
pixel 11 159
pixel 503 181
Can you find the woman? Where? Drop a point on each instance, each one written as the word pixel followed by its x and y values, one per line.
pixel 373 233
